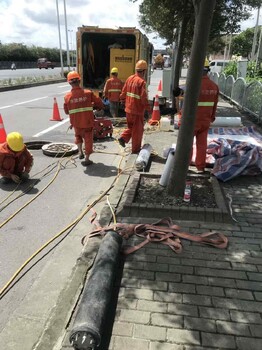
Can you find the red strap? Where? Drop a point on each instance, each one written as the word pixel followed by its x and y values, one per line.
pixel 163 231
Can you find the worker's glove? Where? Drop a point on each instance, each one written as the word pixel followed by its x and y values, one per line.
pixel 99 113
pixel 15 178
pixel 25 175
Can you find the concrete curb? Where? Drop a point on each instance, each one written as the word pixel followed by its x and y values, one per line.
pixel 60 315
pixel 25 86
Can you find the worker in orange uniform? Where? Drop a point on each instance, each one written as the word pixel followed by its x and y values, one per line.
pixel 15 159
pixel 79 104
pixel 134 94
pixel 206 114
pixel 112 91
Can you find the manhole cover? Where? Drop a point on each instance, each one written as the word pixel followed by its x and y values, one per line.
pixel 59 149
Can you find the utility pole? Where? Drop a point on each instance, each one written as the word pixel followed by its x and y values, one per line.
pixel 253 52
pixel 66 32
pixel 59 35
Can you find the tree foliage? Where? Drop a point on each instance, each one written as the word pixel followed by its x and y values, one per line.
pixel 242 43
pixel 21 53
pixel 165 16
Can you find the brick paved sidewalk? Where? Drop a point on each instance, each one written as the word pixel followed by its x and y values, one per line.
pixel 203 298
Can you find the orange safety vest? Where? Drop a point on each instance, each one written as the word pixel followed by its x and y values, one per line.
pixel 207 102
pixel 79 103
pixel 134 93
pixel 113 89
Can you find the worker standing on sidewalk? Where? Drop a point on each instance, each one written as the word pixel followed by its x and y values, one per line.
pixel 206 114
pixel 79 104
pixel 15 159
pixel 112 91
pixel 134 95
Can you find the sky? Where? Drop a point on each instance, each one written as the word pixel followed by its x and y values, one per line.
pixel 34 22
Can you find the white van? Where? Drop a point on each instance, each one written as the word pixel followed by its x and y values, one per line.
pixel 216 66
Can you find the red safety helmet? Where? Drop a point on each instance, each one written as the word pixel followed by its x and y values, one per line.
pixel 73 76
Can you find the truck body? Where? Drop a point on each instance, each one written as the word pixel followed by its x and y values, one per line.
pixel 101 49
pixel 45 63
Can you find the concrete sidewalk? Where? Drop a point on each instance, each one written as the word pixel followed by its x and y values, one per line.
pixel 203 298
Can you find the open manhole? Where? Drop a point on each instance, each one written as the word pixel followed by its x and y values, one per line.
pixel 38 144
pixel 59 149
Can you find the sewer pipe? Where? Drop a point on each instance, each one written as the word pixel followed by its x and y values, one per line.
pixel 89 322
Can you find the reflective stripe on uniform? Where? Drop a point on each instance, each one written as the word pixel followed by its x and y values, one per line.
pixel 205 104
pixel 130 94
pixel 114 90
pixel 78 110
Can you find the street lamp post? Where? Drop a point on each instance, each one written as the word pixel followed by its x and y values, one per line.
pixel 59 34
pixel 71 47
pixel 66 32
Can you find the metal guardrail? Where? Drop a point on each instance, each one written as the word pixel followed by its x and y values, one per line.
pixel 247 96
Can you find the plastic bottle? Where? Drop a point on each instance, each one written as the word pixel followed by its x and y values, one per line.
pixel 187 192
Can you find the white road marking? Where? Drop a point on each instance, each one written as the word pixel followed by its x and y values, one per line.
pixel 51 128
pixel 21 103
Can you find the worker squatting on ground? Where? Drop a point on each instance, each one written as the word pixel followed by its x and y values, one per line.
pixel 79 104
pixel 112 91
pixel 15 159
pixel 206 114
pixel 134 95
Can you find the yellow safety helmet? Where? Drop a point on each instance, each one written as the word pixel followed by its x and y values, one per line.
pixel 15 141
pixel 141 65
pixel 206 64
pixel 73 75
pixel 114 70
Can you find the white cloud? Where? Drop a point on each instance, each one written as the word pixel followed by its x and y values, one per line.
pixel 251 22
pixel 34 22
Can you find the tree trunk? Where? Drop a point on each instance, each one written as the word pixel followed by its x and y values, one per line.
pixel 179 50
pixel 204 13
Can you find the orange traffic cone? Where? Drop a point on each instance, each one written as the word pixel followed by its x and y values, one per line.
pixel 56 115
pixel 2 131
pixel 160 86
pixel 156 113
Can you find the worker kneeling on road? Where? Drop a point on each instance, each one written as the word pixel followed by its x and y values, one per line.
pixel 15 159
pixel 79 104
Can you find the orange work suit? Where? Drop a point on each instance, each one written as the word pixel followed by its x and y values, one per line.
pixel 14 162
pixel 112 91
pixel 134 94
pixel 206 110
pixel 79 103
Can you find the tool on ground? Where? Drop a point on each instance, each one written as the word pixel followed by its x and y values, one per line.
pixel 103 128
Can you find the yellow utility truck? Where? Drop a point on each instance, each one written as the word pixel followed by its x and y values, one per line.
pixel 101 49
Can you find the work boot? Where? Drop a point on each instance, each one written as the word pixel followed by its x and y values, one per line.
pixel 6 180
pixel 122 142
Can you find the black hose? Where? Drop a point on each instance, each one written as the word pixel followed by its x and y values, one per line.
pixel 87 330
